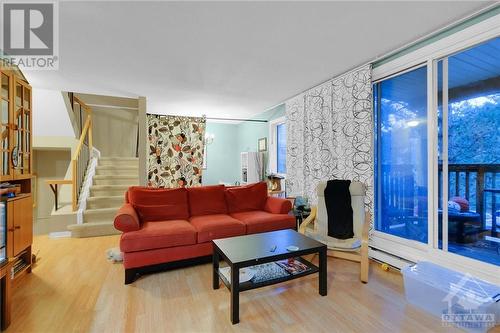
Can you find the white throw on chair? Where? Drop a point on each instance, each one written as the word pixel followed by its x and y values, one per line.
pixel 356 248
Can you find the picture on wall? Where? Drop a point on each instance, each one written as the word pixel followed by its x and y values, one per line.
pixel 262 144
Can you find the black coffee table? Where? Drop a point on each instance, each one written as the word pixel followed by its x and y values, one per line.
pixel 244 251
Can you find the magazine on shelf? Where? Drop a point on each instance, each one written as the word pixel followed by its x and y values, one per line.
pixel 293 266
pixel 267 271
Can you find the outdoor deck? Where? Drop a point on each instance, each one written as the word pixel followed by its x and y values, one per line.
pixel 472 233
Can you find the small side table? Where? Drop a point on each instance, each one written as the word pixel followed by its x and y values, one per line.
pixel 5 281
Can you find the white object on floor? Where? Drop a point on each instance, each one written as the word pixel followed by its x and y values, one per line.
pixel 458 299
pixel 59 234
pixel 114 255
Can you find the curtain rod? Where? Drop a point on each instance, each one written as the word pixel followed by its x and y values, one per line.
pixel 209 118
pixel 235 119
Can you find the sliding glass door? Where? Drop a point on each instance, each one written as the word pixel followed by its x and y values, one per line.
pixel 401 155
pixel 468 93
pixel 446 112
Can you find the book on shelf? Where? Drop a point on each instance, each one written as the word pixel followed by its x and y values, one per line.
pixel 18 266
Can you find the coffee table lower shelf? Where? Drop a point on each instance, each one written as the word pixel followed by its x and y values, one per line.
pixel 249 285
pixel 240 252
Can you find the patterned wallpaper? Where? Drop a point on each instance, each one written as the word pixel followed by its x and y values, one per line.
pixel 175 151
pixel 330 134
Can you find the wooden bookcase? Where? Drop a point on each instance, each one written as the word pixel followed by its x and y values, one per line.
pixel 16 165
pixel 20 233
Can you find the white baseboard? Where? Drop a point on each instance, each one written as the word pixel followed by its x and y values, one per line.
pixel 59 234
pixel 89 178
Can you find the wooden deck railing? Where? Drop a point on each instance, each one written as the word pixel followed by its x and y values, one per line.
pixel 477 183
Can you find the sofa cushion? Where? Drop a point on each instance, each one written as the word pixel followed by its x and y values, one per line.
pixel 260 221
pixel 207 200
pixel 215 226
pixel 246 198
pixel 159 204
pixel 277 205
pixel 159 234
pixel 165 255
pixel 126 219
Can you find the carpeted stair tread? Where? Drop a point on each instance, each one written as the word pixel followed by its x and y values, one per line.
pixel 93 229
pixel 127 176
pixel 105 201
pixel 118 161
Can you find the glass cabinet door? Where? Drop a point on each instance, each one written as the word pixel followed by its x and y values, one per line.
pixel 6 81
pixel 17 150
pixel 26 131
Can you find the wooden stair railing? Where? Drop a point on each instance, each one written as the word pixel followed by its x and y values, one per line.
pixel 54 184
pixel 80 158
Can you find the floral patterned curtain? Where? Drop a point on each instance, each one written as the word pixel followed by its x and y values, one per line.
pixel 175 151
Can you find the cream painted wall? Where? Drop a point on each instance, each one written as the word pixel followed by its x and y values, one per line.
pixel 50 116
pixel 54 143
pixel 51 160
pixel 50 164
pixel 143 134
pixel 115 131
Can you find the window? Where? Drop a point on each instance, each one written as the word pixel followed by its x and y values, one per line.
pixel 401 155
pixel 277 146
pixel 468 117
pixel 281 148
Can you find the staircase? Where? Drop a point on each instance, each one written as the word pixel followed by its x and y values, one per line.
pixel 112 178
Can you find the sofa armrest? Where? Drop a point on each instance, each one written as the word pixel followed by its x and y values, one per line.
pixel 126 219
pixel 278 205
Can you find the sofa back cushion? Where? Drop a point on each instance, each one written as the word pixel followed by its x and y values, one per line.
pixel 246 198
pixel 207 200
pixel 159 204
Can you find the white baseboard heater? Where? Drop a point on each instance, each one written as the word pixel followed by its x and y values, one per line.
pixel 388 258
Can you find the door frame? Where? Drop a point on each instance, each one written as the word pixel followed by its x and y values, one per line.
pixel 429 55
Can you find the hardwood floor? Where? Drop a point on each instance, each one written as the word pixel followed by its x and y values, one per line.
pixel 74 289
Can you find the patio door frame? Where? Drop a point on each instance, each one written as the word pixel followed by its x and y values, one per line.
pixel 429 55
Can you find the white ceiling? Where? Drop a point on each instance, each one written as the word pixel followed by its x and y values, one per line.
pixel 228 59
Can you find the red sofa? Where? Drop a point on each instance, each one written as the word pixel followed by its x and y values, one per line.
pixel 178 225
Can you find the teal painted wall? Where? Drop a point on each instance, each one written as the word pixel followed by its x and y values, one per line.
pixel 223 155
pixel 249 133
